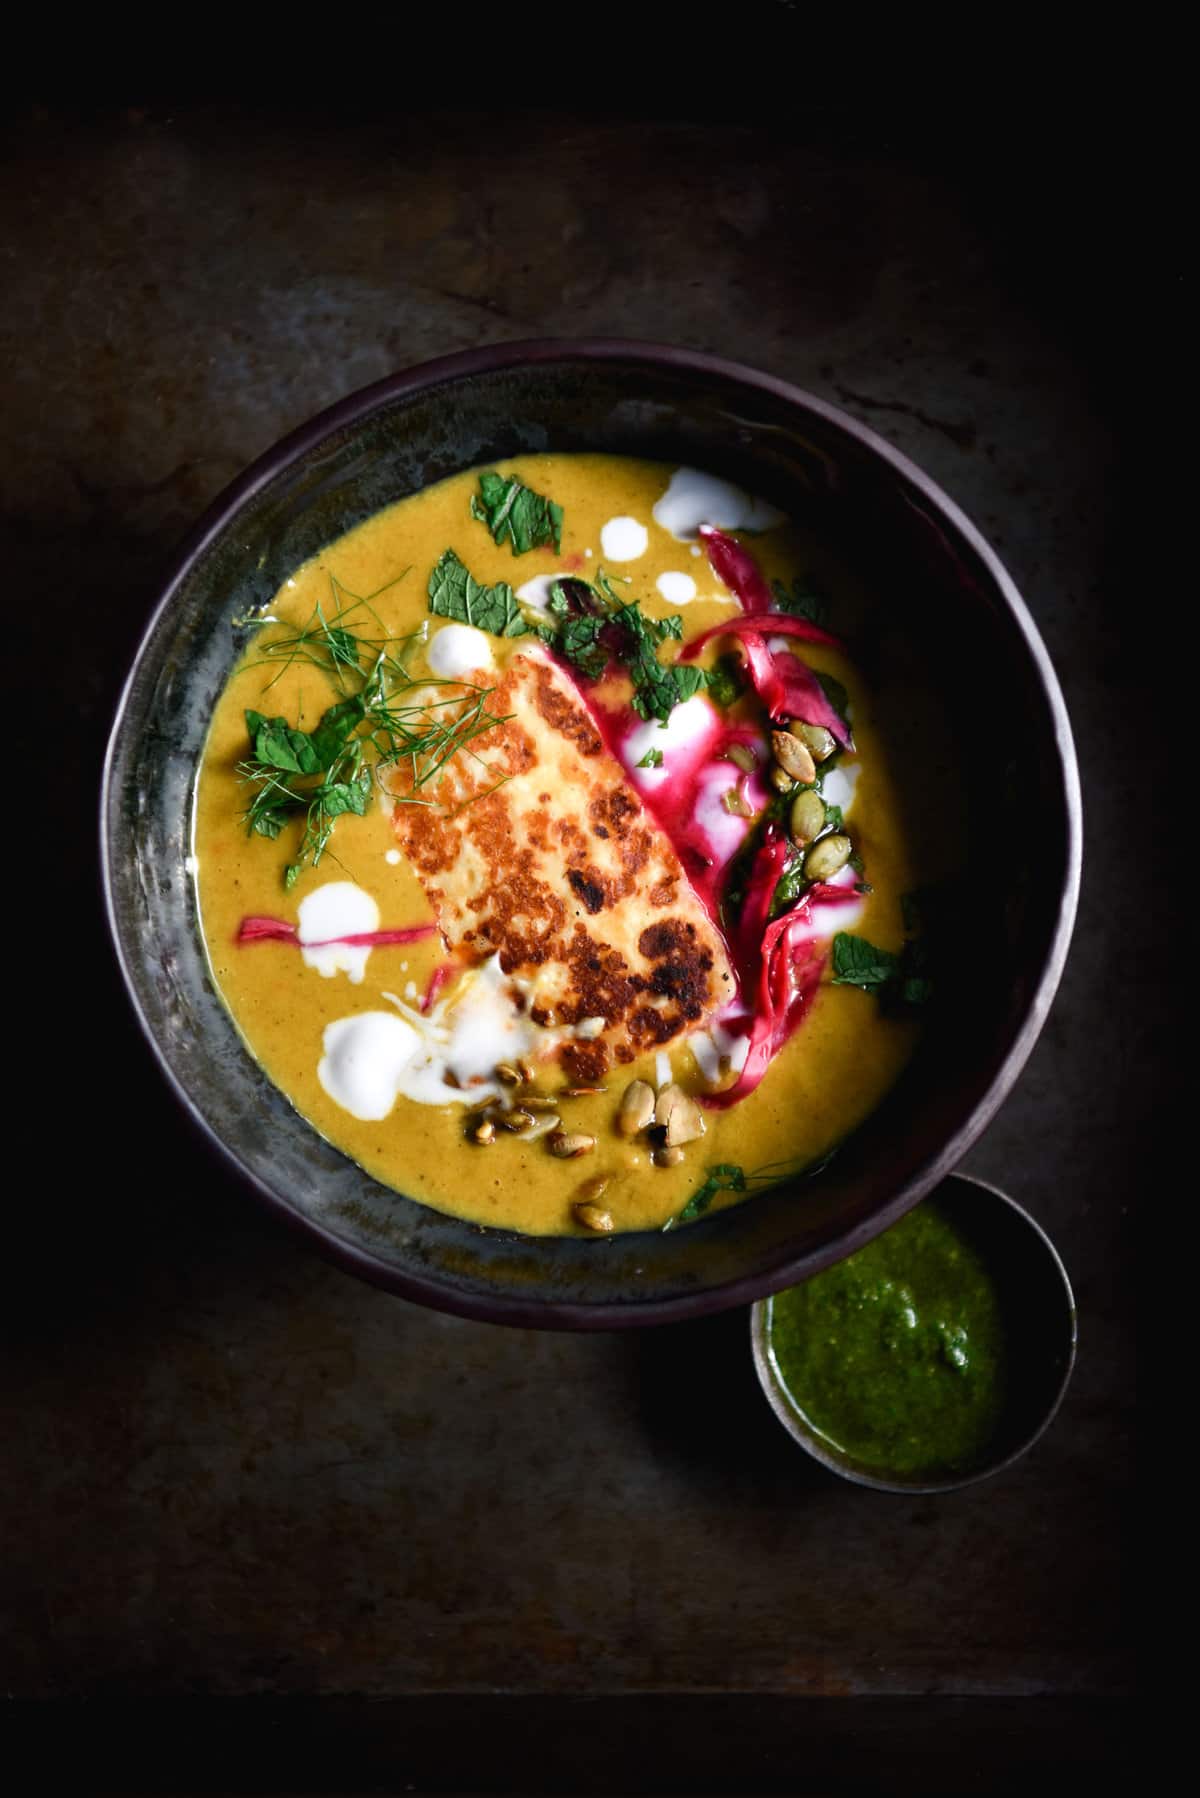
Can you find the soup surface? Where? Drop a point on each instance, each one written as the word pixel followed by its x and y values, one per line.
pixel 549 848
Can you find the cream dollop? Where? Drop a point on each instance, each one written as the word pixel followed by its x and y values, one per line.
pixel 677 589
pixel 458 649
pixel 838 785
pixel 366 1061
pixel 693 498
pixel 339 908
pixel 623 539
pixel 447 1057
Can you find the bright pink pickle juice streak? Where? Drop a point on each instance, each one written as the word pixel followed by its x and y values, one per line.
pixel 278 930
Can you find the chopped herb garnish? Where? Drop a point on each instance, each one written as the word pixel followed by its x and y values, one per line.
pixel 856 962
pixel 804 601
pixel 322 774
pixel 741 868
pixel 330 643
pixel 653 758
pixel 897 979
pixel 836 694
pixel 724 1177
pixel 657 689
pixel 515 512
pixel 281 753
pixel 455 593
pixel 597 628
pixel 583 616
pixel 726 681
pixel 727 1177
pixel 915 989
pixel 570 597
pixel 791 884
pixel 862 885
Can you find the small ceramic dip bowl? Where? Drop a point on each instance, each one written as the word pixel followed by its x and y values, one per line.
pixel 933 1357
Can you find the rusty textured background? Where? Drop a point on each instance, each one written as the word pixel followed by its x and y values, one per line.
pixel 267 1529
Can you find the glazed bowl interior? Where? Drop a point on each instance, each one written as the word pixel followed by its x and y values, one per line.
pixel 943 601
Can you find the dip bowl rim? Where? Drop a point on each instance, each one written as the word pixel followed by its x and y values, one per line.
pixel 859 1475
pixel 511 1307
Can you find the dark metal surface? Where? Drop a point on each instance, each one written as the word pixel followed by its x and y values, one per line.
pixel 235 1479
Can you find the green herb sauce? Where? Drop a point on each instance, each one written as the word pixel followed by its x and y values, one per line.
pixel 896 1356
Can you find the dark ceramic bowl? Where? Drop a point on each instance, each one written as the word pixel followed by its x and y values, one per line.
pixel 937 580
pixel 1038 1311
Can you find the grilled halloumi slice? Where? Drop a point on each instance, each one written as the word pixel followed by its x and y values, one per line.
pixel 532 844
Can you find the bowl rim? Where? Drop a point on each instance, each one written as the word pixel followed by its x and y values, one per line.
pixel 490 359
pixel 808 1439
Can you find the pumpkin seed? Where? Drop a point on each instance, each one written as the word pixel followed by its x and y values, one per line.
pixel 637 1108
pixel 792 755
pixel 820 742
pixel 679 1116
pixel 593 1217
pixel 808 816
pixel 828 857
pixel 567 1144
pixel 517 1119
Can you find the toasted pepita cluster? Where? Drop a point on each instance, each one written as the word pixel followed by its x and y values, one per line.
pixel 530 1113
pixel 798 752
pixel 669 1120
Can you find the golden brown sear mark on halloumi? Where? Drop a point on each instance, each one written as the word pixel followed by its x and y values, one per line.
pixel 535 845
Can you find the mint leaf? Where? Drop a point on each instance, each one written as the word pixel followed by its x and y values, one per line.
pixel 515 512
pixel 657 689
pixel 455 593
pixel 804 601
pixel 726 681
pixel 571 596
pixel 581 641
pixel 856 962
pixel 336 728
pixel 270 809
pixel 724 1177
pixel 899 980
pixel 836 694
pixel 325 804
pixel 596 628
pixel 278 745
pixel 788 889
pixel 341 796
